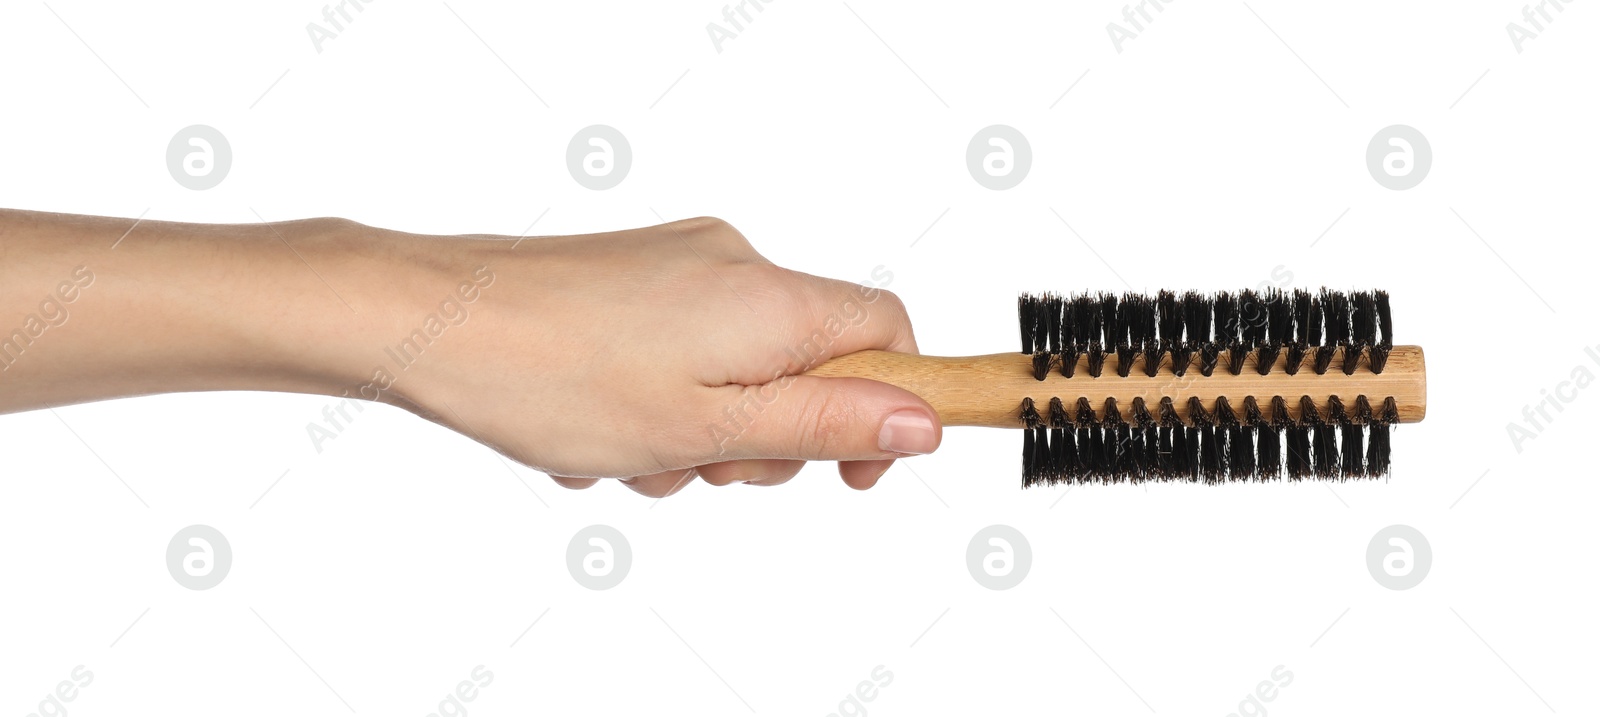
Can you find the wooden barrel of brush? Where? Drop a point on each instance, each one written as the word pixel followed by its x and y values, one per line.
pixel 988 390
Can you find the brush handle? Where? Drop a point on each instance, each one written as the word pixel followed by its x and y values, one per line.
pixel 988 390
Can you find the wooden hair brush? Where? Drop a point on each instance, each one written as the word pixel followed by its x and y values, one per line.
pixel 1198 387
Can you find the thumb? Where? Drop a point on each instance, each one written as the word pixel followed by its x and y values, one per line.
pixel 830 419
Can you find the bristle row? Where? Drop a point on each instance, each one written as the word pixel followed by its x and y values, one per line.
pixel 1182 331
pixel 1255 443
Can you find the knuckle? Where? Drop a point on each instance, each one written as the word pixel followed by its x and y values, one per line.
pixel 829 421
pixel 890 303
pixel 713 231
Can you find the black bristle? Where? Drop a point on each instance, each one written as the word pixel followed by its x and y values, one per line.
pixel 1143 446
pixel 1074 444
pixel 1210 352
pixel 1128 453
pixel 1224 318
pixel 1336 412
pixel 1058 414
pixel 1301 306
pixel 1085 323
pixel 1240 456
pixel 1116 434
pixel 1252 412
pixel 1226 329
pixel 1168 412
pixel 1084 413
pixel 1068 341
pixel 1269 438
pixel 1112 412
pixel 1241 453
pixel 1217 467
pixel 1043 464
pixel 1097 360
pixel 1225 414
pixel 1364 320
pixel 1378 357
pixel 1038 468
pixel 1363 329
pixel 1152 455
pixel 1320 365
pixel 1128 347
pixel 1350 450
pixel 1029 414
pixel 1325 450
pixel 1385 323
pixel 1139 316
pixel 1027 320
pixel 1053 306
pixel 1083 464
pixel 1041 365
pixel 1204 439
pixel 1324 446
pixel 1114 332
pixel 1060 455
pixel 1097 452
pixel 1266 440
pixel 1063 453
pixel 1030 471
pixel 1336 328
pixel 1094 330
pixel 1185 443
pixel 1196 314
pixel 1236 355
pixel 1090 445
pixel 1298 460
pixel 1141 413
pixel 1336 318
pixel 1378 438
pixel 1198 415
pixel 1349 436
pixel 1135 455
pixel 1294 358
pixel 1280 329
pixel 1152 358
pixel 1173 463
pixel 1169 327
pixel 1126 353
pixel 1252 319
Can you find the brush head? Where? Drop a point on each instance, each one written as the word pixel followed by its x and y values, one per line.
pixel 1257 440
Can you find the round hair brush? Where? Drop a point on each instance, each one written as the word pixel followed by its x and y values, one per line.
pixel 1198 387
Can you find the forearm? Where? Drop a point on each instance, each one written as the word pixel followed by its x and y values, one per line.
pixel 90 310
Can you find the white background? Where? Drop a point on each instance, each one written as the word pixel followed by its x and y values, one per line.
pixel 374 576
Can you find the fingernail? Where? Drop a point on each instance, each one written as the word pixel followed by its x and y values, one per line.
pixel 908 431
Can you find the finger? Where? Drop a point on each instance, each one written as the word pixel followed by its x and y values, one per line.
pixel 769 482
pixel 574 483
pixel 865 317
pixel 755 471
pixel 836 419
pixel 660 485
pixel 862 475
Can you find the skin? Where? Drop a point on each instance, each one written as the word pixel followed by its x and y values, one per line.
pixel 616 355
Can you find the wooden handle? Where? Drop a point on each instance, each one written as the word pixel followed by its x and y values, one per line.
pixel 988 390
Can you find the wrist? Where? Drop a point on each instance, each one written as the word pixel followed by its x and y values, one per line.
pixel 416 293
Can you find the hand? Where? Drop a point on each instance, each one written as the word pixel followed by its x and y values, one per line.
pixel 652 355
pixel 658 354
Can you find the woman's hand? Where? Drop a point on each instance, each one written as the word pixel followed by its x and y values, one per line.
pixel 655 355
pixel 652 355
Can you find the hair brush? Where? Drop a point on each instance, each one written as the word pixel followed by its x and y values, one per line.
pixel 1193 387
